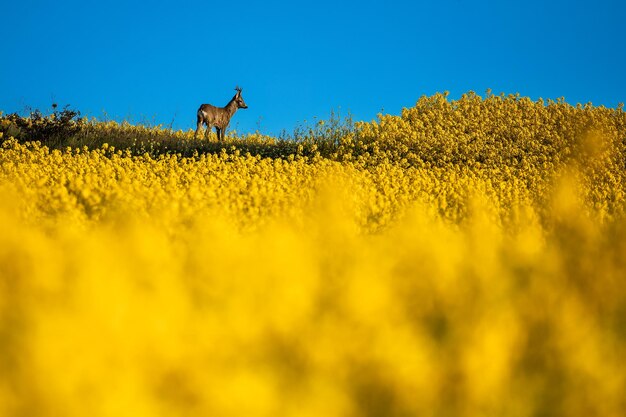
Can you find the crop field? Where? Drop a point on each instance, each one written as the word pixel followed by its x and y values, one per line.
pixel 464 258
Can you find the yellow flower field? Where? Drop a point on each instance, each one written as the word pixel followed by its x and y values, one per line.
pixel 466 258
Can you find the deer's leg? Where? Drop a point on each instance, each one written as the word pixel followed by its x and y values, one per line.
pixel 219 133
pixel 198 127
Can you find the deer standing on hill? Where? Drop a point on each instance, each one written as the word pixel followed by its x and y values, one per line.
pixel 219 116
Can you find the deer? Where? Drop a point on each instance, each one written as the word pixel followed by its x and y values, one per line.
pixel 219 117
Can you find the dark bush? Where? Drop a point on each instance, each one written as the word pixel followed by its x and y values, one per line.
pixel 50 130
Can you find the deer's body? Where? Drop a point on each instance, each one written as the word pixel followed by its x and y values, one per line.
pixel 219 117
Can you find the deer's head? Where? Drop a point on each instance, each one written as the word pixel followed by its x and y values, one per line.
pixel 239 100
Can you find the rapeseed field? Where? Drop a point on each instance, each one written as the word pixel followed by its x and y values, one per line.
pixel 465 258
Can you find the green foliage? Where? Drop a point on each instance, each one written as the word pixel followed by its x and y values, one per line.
pixel 56 129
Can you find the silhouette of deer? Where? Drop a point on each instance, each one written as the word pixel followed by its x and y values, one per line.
pixel 219 117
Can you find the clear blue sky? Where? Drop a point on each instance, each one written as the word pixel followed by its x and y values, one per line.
pixel 158 61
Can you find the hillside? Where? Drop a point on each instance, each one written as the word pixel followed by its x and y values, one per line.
pixel 440 146
pixel 464 258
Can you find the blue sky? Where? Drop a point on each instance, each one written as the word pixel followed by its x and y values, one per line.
pixel 296 61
